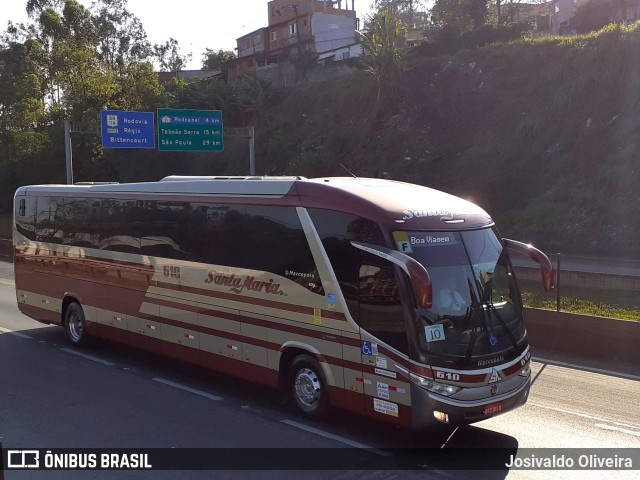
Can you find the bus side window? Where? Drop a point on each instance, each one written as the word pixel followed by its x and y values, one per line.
pixel 50 221
pixel 215 234
pixel 115 231
pixel 165 231
pixel 276 243
pixel 26 217
pixel 380 308
pixel 336 231
pixel 77 230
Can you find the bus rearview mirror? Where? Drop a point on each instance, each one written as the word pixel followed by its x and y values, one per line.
pixel 537 256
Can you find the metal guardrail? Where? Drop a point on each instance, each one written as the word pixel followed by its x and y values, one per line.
pixel 585 284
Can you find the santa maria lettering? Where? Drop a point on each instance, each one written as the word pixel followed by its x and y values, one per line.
pixel 238 284
pixel 408 214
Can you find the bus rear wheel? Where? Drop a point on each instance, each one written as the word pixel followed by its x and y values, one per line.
pixel 75 325
pixel 308 387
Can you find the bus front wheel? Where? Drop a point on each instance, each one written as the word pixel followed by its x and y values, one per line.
pixel 75 325
pixel 308 387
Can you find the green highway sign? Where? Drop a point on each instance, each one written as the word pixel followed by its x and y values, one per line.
pixel 190 130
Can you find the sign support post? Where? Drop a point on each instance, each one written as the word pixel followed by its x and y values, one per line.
pixel 251 135
pixel 252 153
pixel 67 151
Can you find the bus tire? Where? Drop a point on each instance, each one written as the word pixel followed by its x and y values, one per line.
pixel 75 325
pixel 308 387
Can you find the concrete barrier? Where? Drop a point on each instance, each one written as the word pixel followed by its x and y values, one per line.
pixel 6 249
pixel 597 338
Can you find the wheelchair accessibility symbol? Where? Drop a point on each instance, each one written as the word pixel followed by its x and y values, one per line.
pixel 369 348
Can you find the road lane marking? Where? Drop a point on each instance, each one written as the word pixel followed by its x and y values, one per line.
pixel 21 335
pixel 583 415
pixel 627 376
pixel 88 357
pixel 538 374
pixel 618 429
pixel 337 438
pixel 449 438
pixel 15 334
pixel 188 389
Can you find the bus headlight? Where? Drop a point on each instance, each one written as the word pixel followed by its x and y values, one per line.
pixel 526 370
pixel 435 387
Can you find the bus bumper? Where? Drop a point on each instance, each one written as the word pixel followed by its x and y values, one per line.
pixel 427 407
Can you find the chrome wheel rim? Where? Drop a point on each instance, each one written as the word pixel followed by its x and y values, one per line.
pixel 308 388
pixel 76 326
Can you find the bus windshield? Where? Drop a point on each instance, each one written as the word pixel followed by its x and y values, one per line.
pixel 476 310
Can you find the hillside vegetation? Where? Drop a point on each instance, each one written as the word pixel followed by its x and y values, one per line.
pixel 543 133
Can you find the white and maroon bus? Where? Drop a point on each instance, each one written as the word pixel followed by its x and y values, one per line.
pixel 391 300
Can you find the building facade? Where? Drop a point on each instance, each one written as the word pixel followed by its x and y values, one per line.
pixel 299 33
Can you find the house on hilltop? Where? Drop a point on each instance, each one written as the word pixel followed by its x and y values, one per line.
pixel 564 19
pixel 560 17
pixel 300 35
pixel 539 14
pixel 625 11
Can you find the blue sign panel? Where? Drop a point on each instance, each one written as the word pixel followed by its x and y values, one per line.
pixel 128 129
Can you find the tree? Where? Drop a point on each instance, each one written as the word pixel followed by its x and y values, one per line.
pixel 121 37
pixel 212 60
pixel 22 106
pixel 412 13
pixel 169 56
pixel 36 7
pixel 67 62
pixel 385 49
pixel 464 15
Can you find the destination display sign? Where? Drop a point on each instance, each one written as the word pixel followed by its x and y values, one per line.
pixel 190 130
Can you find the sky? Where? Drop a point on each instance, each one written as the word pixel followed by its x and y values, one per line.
pixel 196 24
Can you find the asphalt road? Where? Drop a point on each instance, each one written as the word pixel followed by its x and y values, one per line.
pixel 108 396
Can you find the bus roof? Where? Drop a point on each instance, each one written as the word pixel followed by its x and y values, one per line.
pixel 396 204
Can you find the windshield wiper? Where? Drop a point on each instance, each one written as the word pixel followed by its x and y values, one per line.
pixel 486 292
pixel 475 307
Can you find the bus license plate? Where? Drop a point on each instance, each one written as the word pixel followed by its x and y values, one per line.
pixel 492 409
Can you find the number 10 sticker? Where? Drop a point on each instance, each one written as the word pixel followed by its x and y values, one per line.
pixel 434 333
